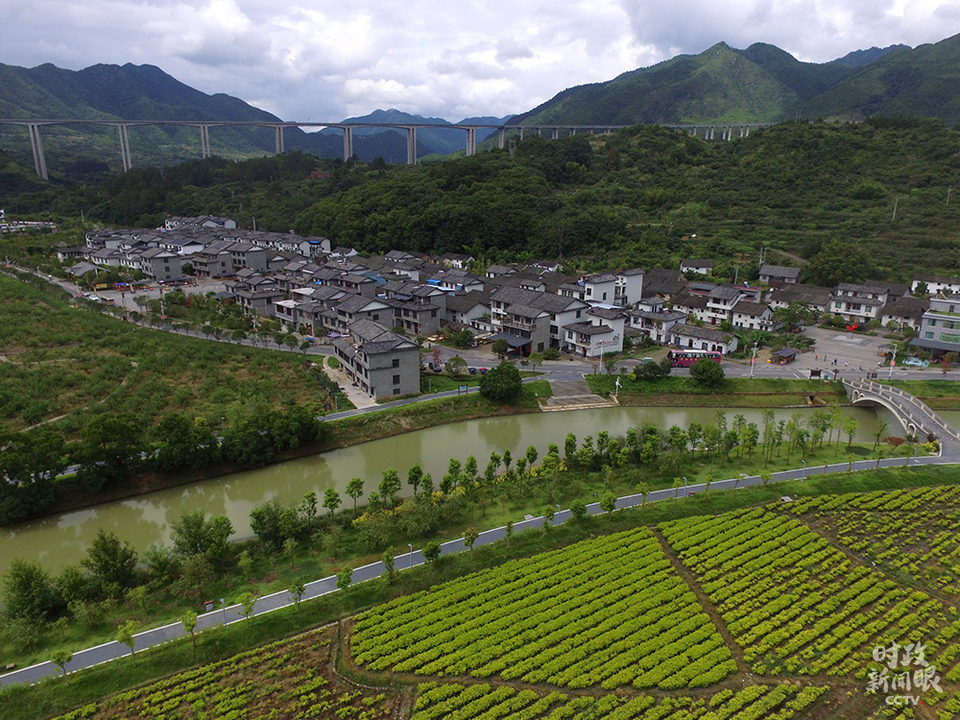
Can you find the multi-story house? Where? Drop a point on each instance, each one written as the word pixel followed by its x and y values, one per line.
pixel 936 285
pixel 601 333
pixel 720 303
pixel 656 324
pixel 753 316
pixel 382 363
pixel 861 303
pixel 940 326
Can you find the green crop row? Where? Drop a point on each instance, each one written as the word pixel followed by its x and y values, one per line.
pixel 610 612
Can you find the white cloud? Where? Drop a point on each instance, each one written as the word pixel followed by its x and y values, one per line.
pixel 326 60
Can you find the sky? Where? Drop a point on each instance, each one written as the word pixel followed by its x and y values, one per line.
pixel 318 60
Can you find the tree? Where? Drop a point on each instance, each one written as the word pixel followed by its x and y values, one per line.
pixel 531 455
pixel 290 550
pixel 331 500
pixel 189 622
pixel 608 502
pixel 138 596
pixel 850 428
pixel 389 566
pixel 500 348
pixel 470 536
pixel 549 512
pixel 28 590
pixel 298 589
pixel 355 490
pixel 110 560
pixel 502 384
pixel 60 658
pixel 707 374
pixel 677 484
pixel 110 447
pixel 508 531
pixel 126 637
pixel 457 366
pixel 344 578
pixel 193 534
pixel 535 359
pixel 247 602
pixel 431 551
pixel 414 478
pixel 881 429
pixel 390 486
pixel 578 508
pixel 610 360
pixel 643 489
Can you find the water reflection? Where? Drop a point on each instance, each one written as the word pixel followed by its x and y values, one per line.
pixel 146 520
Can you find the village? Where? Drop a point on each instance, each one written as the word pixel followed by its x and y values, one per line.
pixel 375 308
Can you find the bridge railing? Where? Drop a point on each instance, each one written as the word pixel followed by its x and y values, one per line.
pixel 912 407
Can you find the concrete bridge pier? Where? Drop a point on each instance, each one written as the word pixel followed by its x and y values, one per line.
pixel 125 160
pixel 556 134
pixel 278 139
pixel 521 132
pixel 411 146
pixel 36 144
pixel 204 141
pixel 347 143
pixel 501 137
pixel 472 141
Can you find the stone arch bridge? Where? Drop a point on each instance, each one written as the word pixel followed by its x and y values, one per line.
pixel 917 419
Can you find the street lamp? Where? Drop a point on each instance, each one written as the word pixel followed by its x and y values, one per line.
pixel 753 360
pixel 804 469
pixel 892 363
pixel 223 604
pixel 410 545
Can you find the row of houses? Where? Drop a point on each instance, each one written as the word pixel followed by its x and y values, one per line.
pixel 371 307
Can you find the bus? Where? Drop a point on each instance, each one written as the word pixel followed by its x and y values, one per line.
pixel 686 358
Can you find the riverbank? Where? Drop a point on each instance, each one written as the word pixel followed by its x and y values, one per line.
pixel 427 413
pixel 53 696
pixel 345 432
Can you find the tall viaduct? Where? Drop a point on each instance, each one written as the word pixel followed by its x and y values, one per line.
pixel 708 132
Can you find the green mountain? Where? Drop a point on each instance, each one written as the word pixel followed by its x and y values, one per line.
pixel 429 141
pixel 721 85
pixel 145 92
pixel 922 82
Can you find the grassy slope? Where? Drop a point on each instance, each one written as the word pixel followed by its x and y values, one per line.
pixel 62 364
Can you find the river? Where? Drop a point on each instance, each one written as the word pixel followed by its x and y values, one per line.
pixel 63 540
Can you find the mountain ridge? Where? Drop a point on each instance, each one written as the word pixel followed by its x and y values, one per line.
pixel 759 84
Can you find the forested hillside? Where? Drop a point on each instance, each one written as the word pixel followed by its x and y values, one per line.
pixel 857 200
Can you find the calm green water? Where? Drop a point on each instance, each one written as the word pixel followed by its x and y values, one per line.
pixel 63 540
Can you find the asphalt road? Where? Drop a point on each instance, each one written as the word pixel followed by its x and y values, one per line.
pixel 323 586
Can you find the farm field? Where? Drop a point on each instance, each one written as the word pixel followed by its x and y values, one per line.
pixel 283 680
pixel 831 607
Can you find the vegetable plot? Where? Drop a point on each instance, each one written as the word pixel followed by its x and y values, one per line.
pixel 796 604
pixel 481 702
pixel 610 612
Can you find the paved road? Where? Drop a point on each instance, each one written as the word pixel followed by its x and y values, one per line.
pixel 269 603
